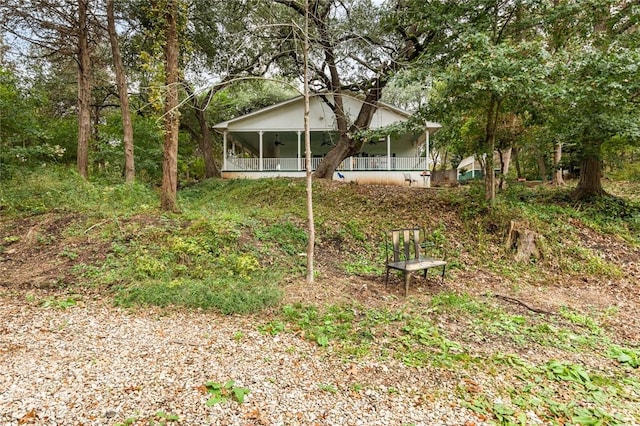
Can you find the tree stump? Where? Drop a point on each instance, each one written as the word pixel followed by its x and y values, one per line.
pixel 524 241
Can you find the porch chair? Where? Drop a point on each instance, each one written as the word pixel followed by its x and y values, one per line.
pixel 404 253
pixel 409 178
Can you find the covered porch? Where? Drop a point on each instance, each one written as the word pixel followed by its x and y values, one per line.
pixel 270 143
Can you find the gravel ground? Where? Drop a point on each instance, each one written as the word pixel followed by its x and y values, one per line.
pixel 93 364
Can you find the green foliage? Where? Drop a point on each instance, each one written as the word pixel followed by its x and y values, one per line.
pixel 162 419
pixel 320 327
pixel 424 344
pixel 59 302
pixel 363 266
pixel 629 171
pixel 557 370
pixel 555 391
pixel 20 131
pixel 327 388
pixel 273 328
pixel 627 356
pixel 226 296
pixel 221 393
pixel 290 238
pixel 337 324
pixel 108 155
pixel 60 188
pixel 128 422
pixel 206 266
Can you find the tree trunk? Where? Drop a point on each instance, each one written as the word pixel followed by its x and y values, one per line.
pixel 345 148
pixel 516 161
pixel 307 149
pixel 523 241
pixel 542 167
pixel 123 93
pixel 84 91
pixel 590 183
pixel 505 163
pixel 168 197
pixel 445 158
pixel 558 180
pixel 490 144
pixel 206 144
pixel 348 146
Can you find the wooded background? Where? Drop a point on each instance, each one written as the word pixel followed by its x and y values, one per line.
pixel 131 88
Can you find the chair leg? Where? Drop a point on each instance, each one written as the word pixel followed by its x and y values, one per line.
pixel 425 273
pixel 444 268
pixel 386 279
pixel 407 277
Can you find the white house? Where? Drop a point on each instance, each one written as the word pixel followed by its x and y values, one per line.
pixel 270 142
pixel 469 169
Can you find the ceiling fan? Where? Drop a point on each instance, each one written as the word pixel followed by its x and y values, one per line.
pixel 326 141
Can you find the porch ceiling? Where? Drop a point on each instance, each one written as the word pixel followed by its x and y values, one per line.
pixel 321 143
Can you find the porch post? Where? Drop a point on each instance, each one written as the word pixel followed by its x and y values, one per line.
pixel 260 162
pixel 388 152
pixel 224 150
pixel 299 163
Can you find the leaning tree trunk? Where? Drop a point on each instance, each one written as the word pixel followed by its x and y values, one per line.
pixel 123 93
pixel 345 148
pixel 557 180
pixel 590 183
pixel 168 197
pixel 348 146
pixel 84 91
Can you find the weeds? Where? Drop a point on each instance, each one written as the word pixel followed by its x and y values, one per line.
pixel 223 392
pixel 57 302
pixel 553 392
pixel 630 357
pixel 327 388
pixel 225 296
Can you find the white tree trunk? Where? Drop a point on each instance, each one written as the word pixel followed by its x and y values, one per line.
pixel 558 180
pixel 504 167
pixel 307 147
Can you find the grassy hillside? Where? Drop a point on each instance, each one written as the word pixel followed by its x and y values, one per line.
pixel 558 334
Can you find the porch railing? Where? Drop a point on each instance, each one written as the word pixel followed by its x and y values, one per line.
pixel 351 163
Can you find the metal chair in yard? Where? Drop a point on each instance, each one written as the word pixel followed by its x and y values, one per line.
pixel 404 253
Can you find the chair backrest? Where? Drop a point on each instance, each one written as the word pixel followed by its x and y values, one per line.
pixel 405 244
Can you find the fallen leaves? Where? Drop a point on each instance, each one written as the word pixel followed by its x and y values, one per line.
pixel 30 417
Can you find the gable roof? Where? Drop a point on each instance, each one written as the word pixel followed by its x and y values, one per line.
pixel 288 116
